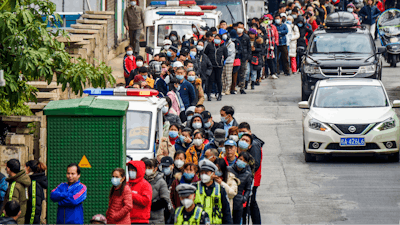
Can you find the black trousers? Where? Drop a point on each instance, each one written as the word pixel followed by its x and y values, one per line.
pixel 216 76
pixel 283 51
pixel 270 67
pixel 254 210
pixel 237 215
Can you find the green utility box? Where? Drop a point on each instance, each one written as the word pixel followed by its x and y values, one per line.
pixel 91 133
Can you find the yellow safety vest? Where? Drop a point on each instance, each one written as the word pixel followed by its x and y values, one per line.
pixel 194 219
pixel 10 194
pixel 212 205
pixel 33 202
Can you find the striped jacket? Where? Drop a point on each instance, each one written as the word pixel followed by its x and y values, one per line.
pixel 70 200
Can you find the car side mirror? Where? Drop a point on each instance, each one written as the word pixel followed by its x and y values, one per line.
pixel 303 105
pixel 142 44
pixel 396 104
pixel 149 50
pixel 381 50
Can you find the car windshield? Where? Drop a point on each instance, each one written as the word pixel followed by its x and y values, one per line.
pixel 209 21
pixel 138 126
pixel 232 10
pixel 341 43
pixel 350 97
pixel 165 30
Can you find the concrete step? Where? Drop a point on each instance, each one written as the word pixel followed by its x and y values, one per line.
pixel 34 106
pixel 46 95
pixel 88 21
pixel 82 31
pixel 100 12
pixel 87 26
pixel 44 85
pixel 92 16
pixel 71 39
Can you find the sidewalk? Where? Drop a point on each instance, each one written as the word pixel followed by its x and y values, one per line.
pixel 116 65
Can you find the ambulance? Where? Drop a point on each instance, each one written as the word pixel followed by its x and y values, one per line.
pixel 144 118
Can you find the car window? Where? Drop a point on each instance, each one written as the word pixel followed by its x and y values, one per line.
pixel 165 30
pixel 138 127
pixel 341 43
pixel 350 97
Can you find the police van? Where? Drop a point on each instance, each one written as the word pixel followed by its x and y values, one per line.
pixel 162 17
pixel 144 118
pixel 211 16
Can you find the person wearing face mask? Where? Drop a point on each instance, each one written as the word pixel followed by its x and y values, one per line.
pixel 209 122
pixel 188 176
pixel 217 143
pixel 166 146
pixel 293 44
pixel 282 47
pixel 198 87
pixel 189 213
pixel 231 154
pixel 194 152
pixel 141 192
pixel 174 37
pixel 144 72
pixel 351 8
pixel 169 113
pixel 227 118
pixel 203 65
pixel 134 23
pixel 184 141
pixel 179 161
pixel 246 55
pixel 369 14
pixel 233 133
pixel 172 53
pixel 227 180
pixel 166 45
pixel 129 63
pixel 167 168
pixel 134 72
pixel 186 91
pixel 338 5
pixel 228 68
pixel 173 94
pixel 36 196
pixel 236 62
pixel 211 154
pixel 211 195
pixel 244 188
pixel 120 202
pixel 160 194
pixel 271 37
pixel 305 34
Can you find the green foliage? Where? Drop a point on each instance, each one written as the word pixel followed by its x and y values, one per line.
pixel 28 48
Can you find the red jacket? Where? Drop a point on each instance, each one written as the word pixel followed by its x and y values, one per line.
pixel 381 5
pixel 129 65
pixel 257 175
pixel 276 34
pixel 142 194
pixel 119 207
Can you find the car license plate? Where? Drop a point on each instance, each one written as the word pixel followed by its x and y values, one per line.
pixel 352 142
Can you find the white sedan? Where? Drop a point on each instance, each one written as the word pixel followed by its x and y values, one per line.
pixel 350 116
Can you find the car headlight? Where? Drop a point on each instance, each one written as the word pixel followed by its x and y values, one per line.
pixel 386 125
pixel 393 39
pixel 311 69
pixel 317 125
pixel 367 69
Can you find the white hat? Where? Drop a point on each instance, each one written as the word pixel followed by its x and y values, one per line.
pixel 167 42
pixel 177 64
pixel 283 15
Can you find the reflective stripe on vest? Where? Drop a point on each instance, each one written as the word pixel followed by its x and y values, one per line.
pixel 208 203
pixel 194 219
pixel 10 194
pixel 33 201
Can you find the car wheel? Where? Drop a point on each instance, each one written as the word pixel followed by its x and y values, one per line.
pixel 308 157
pixel 394 157
pixel 304 96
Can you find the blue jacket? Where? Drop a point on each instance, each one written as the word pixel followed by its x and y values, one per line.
pixel 187 93
pixel 70 199
pixel 3 187
pixel 369 14
pixel 282 31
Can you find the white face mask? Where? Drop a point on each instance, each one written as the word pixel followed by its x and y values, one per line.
pixel 166 47
pixel 224 37
pixel 198 142
pixel 200 48
pixel 132 175
pixel 187 202
pixel 139 63
pixel 133 3
pixel 129 52
pixel 234 137
pixel 205 178
pixel 149 172
pixel 240 30
pixel 179 163
pixel 349 9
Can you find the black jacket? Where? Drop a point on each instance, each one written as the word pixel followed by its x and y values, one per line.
pixel 7 220
pixel 41 184
pixel 217 55
pixel 258 52
pixel 246 179
pixel 302 39
pixel 246 47
pixel 203 66
pixel 255 151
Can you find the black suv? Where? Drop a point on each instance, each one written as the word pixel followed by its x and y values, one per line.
pixel 340 50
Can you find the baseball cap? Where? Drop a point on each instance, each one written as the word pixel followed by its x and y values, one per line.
pixel 206 115
pixel 167 161
pixel 99 218
pixel 230 143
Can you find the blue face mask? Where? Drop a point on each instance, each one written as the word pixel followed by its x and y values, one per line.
pixel 240 134
pixel 173 134
pixel 207 125
pixel 223 119
pixel 196 125
pixel 182 138
pixel 166 171
pixel 116 181
pixel 289 22
pixel 188 176
pixel 241 164
pixel 299 24
pixel 189 118
pixel 217 41
pixel 195 42
pixel 221 149
pixel 218 173
pixel 243 145
pixel 278 21
pixel 132 175
pixel 169 54
pixel 180 77
pixel 144 77
pixel 191 78
pixel 193 54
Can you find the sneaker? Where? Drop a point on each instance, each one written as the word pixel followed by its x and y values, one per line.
pixel 223 93
pixel 242 91
pixel 227 93
pixel 233 92
pixel 274 77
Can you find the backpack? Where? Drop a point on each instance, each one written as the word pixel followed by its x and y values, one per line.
pixel 3 186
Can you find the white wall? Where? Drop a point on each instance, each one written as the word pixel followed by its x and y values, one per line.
pixel 76 5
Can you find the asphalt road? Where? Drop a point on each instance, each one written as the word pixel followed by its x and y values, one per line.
pixel 341 190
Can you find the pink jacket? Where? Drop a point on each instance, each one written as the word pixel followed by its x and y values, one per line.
pixel 119 207
pixel 175 102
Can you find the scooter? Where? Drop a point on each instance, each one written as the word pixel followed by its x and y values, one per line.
pixel 389 33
